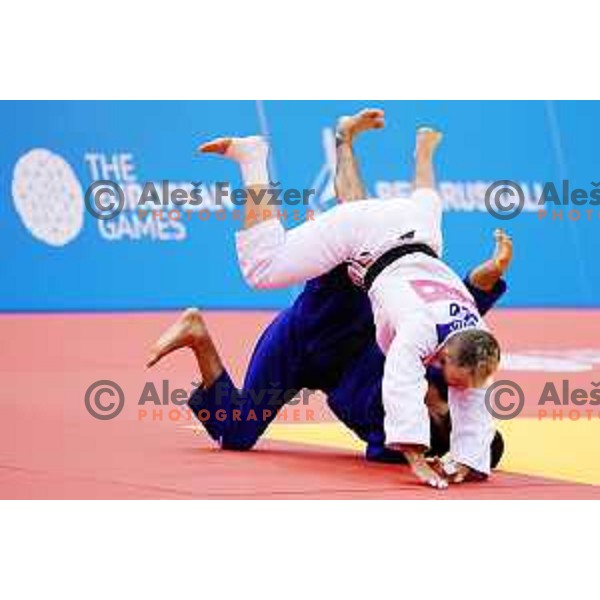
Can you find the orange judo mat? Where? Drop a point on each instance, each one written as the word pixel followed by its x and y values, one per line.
pixel 51 447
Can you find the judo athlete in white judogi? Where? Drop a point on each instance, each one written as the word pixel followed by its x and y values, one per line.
pixel 422 310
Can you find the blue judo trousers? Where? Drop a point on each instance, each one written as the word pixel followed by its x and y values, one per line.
pixel 324 341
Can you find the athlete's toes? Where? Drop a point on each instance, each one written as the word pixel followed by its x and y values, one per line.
pixel 153 358
pixel 218 146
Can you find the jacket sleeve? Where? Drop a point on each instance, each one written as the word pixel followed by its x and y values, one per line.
pixel 472 428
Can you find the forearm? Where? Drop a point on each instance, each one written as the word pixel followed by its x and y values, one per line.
pixel 348 182
pixel 404 387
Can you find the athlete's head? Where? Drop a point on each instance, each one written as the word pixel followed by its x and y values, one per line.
pixel 469 358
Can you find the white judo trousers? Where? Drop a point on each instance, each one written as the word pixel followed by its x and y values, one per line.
pixel 417 301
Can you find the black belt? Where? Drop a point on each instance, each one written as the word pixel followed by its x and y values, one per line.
pixel 387 258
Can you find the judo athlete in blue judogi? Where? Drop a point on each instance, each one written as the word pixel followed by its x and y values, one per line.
pixel 325 341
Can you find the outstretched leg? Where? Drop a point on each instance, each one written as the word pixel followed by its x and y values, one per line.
pixel 348 182
pixel 426 144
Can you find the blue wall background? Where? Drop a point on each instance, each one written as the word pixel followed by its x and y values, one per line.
pixel 555 262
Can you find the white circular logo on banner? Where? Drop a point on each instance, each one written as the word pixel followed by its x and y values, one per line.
pixel 48 197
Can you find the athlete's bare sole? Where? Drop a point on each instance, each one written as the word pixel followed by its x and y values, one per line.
pixel 350 126
pixel 188 331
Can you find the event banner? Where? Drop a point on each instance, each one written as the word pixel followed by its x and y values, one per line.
pixel 171 243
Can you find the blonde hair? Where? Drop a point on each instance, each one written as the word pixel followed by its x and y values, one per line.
pixel 476 350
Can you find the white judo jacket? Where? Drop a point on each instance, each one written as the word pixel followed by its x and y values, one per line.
pixel 417 301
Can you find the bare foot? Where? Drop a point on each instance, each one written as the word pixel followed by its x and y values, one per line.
pixel 428 140
pixel 188 330
pixel 349 127
pixel 486 275
pixel 236 148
